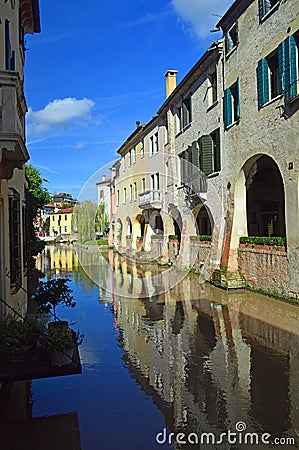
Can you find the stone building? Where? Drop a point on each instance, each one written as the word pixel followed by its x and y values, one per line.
pixel 17 18
pixel 260 117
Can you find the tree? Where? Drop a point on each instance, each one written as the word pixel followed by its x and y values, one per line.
pixel 36 197
pixel 52 293
pixel 84 219
pixel 101 220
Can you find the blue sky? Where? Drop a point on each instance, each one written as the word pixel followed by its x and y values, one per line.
pixel 96 68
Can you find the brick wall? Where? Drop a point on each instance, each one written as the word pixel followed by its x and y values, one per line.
pixel 266 269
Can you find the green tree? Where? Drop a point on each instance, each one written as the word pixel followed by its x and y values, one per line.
pixel 36 197
pixel 101 219
pixel 84 219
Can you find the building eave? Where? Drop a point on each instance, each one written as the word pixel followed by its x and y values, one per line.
pixel 30 16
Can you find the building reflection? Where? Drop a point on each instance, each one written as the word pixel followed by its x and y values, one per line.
pixel 56 260
pixel 208 357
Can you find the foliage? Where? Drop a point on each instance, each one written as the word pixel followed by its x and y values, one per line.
pixel 173 237
pixel 263 240
pixel 101 220
pixel 67 205
pixel 15 334
pixel 37 197
pixel 203 237
pixel 157 236
pixel 57 339
pixel 52 293
pixel 84 219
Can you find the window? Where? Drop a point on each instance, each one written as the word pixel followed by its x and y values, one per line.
pixel 130 157
pixel 273 73
pixel 210 160
pixel 135 190
pixel 231 104
pixel 212 93
pixel 117 172
pixel 125 195
pixel 9 54
pixel 142 149
pixel 15 240
pixel 124 163
pixel 65 217
pixel 265 6
pixel 186 111
pixel 131 192
pixel 290 66
pixel 142 184
pixel 117 198
pixel 155 177
pixel 216 150
pixel 65 229
pixel 53 218
pixel 134 155
pixel 231 38
pixel 154 143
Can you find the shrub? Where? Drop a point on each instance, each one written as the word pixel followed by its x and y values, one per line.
pixel 203 237
pixel 263 240
pixel 173 237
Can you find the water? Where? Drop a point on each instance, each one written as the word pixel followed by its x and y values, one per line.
pixel 194 359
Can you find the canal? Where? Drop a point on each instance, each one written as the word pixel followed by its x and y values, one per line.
pixel 162 362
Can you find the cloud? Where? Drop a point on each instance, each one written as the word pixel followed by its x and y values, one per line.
pixel 80 145
pixel 48 169
pixel 201 15
pixel 147 18
pixel 60 114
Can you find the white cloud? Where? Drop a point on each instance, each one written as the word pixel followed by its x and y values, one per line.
pixel 60 114
pixel 80 145
pixel 201 15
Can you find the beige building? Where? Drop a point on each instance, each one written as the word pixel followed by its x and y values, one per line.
pixel 17 18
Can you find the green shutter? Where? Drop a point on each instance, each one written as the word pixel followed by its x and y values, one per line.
pixel 217 157
pixel 281 74
pixel 206 146
pixel 262 82
pixel 238 99
pixel 227 108
pixel 188 163
pixel 290 67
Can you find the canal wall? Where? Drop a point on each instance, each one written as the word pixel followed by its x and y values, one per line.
pixel 265 269
pixel 200 252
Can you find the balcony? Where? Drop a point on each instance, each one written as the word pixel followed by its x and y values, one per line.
pixel 13 152
pixel 150 199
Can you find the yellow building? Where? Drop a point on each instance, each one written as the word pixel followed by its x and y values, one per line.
pixel 61 222
pixel 17 18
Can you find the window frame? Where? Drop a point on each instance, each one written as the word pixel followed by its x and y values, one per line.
pixel 15 249
pixel 231 41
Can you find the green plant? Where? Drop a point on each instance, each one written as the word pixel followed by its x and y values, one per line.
pixel 263 240
pixel 15 334
pixel 57 339
pixel 173 237
pixel 203 237
pixel 129 236
pixel 52 293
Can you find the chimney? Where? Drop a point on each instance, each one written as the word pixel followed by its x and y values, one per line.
pixel 170 81
pixel 103 177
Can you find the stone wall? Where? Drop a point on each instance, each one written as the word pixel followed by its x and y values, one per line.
pixel 265 269
pixel 199 253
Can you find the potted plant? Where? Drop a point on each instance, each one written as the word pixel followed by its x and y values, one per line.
pixel 61 344
pixel 52 293
pixel 17 340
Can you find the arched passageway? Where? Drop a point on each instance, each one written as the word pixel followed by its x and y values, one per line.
pixel 265 203
pixel 203 221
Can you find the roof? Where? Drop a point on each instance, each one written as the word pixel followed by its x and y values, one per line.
pixel 233 13
pixel 64 211
pixel 30 16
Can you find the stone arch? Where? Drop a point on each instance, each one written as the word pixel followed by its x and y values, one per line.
pixel 138 231
pixel 204 222
pixel 129 227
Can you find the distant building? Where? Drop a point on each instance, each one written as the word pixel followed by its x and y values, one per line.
pixel 61 222
pixel 62 197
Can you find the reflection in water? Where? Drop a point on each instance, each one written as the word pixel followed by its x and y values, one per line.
pixel 207 358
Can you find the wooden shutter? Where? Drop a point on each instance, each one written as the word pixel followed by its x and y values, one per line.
pixel 227 108
pixel 195 154
pixel 238 99
pixel 7 45
pixel 281 76
pixel 262 82
pixel 290 68
pixel 206 146
pixel 217 156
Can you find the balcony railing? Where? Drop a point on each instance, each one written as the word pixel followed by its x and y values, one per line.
pixel 150 199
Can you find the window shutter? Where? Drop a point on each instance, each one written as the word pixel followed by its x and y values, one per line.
pixel 227 108
pixel 206 145
pixel 290 69
pixel 188 165
pixel 195 154
pixel 238 99
pixel 217 157
pixel 281 74
pixel 262 82
pixel 7 45
pixel 228 42
pixel 185 114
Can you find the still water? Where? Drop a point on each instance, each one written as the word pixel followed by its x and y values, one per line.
pixel 193 359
